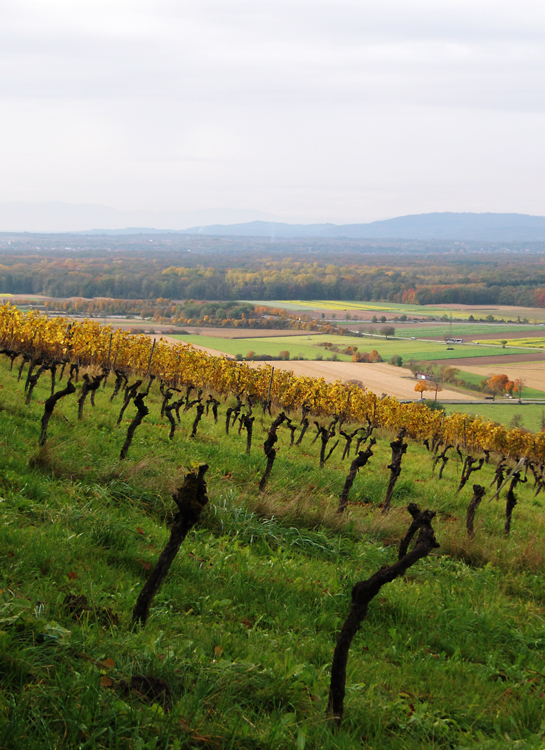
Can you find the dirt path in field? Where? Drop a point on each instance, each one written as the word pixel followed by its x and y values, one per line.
pixel 379 377
pixel 532 373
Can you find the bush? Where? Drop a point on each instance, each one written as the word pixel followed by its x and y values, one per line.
pixel 396 360
pixel 361 357
pixel 284 354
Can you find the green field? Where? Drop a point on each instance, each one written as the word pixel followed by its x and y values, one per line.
pixel 307 347
pixel 471 377
pixel 241 634
pixel 532 415
pixel 461 329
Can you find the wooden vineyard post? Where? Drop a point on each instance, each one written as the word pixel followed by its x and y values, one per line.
pixel 107 368
pixel 267 404
pixel 150 358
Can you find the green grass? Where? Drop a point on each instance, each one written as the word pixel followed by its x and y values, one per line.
pixel 460 329
pixel 308 347
pixel 243 629
pixel 475 379
pixel 532 415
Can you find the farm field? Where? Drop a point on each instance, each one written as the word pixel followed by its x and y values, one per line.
pixel 301 346
pixel 237 650
pixel 533 314
pixel 537 342
pixel 470 330
pixel 475 378
pixel 532 373
pixel 532 416
pixel 378 377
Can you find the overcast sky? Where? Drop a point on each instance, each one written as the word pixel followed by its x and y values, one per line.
pixel 310 110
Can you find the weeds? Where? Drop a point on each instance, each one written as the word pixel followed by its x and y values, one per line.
pixel 242 630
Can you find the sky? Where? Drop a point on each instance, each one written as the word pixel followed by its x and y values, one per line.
pixel 301 110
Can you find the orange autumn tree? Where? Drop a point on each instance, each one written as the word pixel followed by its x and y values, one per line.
pixel 422 386
pixel 498 383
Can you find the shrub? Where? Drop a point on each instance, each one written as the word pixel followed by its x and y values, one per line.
pixel 396 360
pixel 284 354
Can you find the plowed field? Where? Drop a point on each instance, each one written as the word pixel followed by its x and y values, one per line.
pixel 379 378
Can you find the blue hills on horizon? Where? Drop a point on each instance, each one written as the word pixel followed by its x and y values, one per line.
pixel 486 227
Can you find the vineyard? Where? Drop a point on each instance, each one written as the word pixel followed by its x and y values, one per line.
pixel 87 344
pixel 190 547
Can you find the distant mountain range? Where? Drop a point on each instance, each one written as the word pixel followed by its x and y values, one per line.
pixel 436 226
pixel 86 218
pixel 56 217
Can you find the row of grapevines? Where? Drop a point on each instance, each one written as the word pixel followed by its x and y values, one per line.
pixel 91 344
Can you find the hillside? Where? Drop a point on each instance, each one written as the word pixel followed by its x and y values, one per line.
pixel 238 647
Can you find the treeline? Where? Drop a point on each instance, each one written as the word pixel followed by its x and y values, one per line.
pixel 193 313
pixel 479 279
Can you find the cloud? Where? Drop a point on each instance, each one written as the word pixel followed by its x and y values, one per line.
pixel 149 104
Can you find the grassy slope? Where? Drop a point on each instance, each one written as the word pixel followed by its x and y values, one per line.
pixel 302 346
pixel 244 627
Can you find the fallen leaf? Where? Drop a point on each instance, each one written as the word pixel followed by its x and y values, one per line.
pixel 72 576
pixel 108 663
pixel 105 682
pixel 247 623
pixel 218 651
pixel 139 530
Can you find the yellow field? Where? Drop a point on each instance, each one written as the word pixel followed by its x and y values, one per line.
pixel 538 343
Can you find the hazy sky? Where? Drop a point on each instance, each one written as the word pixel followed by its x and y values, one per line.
pixel 312 110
